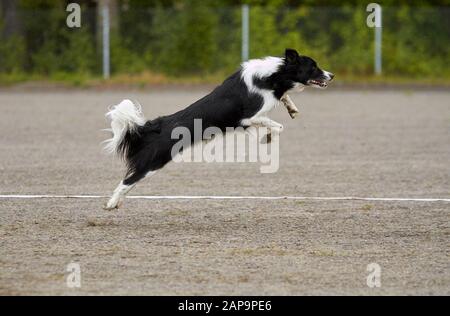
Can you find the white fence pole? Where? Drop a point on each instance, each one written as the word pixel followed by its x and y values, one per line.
pixel 105 40
pixel 378 40
pixel 245 32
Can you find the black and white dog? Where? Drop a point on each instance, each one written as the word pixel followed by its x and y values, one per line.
pixel 242 100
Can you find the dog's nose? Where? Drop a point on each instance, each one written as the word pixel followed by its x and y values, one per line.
pixel 331 75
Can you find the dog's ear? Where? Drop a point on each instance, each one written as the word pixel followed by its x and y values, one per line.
pixel 291 55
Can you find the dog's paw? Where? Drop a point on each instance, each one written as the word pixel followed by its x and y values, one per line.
pixel 293 113
pixel 107 207
pixel 111 205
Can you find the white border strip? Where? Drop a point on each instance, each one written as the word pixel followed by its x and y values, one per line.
pixel 225 197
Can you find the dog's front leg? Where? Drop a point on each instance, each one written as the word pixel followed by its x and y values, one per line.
pixel 263 122
pixel 271 125
pixel 289 105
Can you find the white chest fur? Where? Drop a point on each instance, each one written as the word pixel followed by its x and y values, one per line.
pixel 260 68
pixel 270 102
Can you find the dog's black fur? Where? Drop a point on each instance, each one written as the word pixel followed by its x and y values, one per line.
pixel 148 147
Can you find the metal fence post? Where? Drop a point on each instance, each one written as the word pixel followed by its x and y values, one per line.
pixel 105 40
pixel 378 40
pixel 245 32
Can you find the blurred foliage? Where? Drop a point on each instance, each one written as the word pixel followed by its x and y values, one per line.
pixel 12 55
pixel 196 38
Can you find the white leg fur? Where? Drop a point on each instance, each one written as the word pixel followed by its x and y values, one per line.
pixel 120 192
pixel 118 196
pixel 271 125
pixel 264 122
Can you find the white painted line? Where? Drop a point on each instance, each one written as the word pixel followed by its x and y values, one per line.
pixel 225 197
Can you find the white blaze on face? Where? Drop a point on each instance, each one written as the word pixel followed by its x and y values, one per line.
pixel 328 75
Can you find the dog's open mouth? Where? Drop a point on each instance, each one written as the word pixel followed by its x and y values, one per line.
pixel 318 83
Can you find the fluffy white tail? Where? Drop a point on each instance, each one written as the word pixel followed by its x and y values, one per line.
pixel 126 116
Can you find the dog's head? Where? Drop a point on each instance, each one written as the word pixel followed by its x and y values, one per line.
pixel 303 70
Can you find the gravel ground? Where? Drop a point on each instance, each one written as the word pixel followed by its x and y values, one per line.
pixel 345 143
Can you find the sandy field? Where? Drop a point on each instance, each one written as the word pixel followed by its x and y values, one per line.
pixel 345 143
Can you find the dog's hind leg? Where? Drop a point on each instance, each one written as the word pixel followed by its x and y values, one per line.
pixel 123 188
pixel 118 196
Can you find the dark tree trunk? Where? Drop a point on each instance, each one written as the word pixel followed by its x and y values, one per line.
pixel 10 18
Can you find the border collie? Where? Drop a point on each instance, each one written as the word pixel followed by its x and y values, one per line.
pixel 242 100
